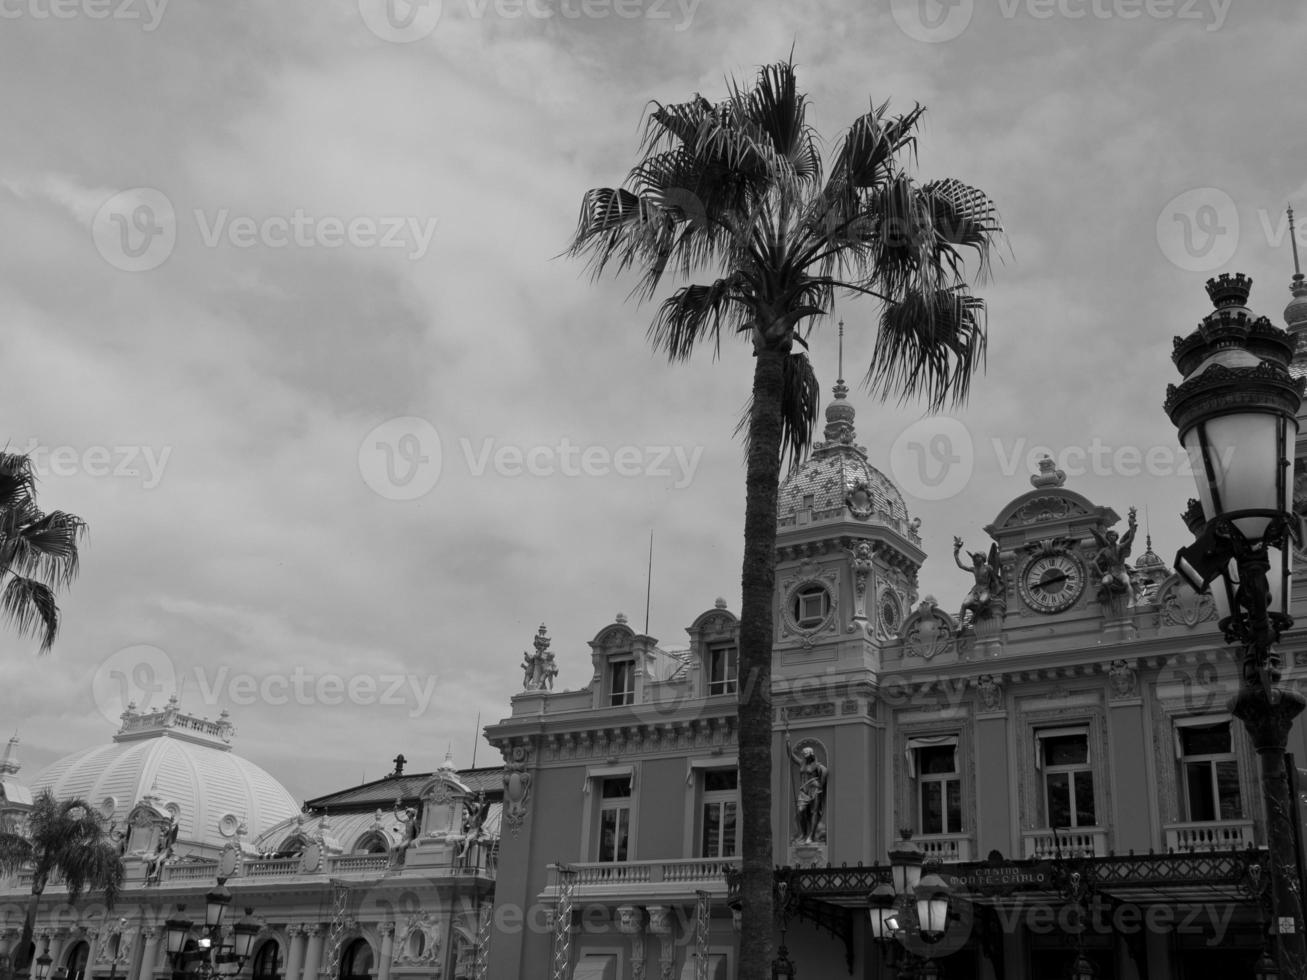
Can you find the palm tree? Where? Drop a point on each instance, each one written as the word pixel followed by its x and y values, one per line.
pixel 67 839
pixel 736 189
pixel 38 552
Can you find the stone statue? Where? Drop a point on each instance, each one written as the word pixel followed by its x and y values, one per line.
pixel 988 594
pixel 539 669
pixel 1110 561
pixel 162 851
pixel 809 791
pixel 474 817
pixel 407 829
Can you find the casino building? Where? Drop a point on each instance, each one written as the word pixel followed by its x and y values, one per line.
pixel 1056 742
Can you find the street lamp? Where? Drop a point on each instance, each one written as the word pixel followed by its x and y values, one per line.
pixel 1236 413
pixel 1082 969
pixel 43 965
pixel 913 904
pixel 214 956
pixel 782 967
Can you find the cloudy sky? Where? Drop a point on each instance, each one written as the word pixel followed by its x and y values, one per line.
pixel 285 322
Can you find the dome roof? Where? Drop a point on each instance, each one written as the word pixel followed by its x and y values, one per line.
pixel 186 764
pixel 838 478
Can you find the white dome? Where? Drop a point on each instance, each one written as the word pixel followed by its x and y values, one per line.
pixel 185 764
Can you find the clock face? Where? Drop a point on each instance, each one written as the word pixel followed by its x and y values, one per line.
pixel 1052 582
pixel 891 613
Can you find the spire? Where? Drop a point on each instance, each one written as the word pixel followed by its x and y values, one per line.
pixel 839 413
pixel 1295 314
pixel 9 764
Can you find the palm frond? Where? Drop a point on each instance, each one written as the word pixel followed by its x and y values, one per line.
pixel 694 313
pixel 800 407
pixel 16 852
pixel 929 345
pixel 30 606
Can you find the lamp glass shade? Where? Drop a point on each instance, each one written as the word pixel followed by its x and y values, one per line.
pixel 243 941
pixel 175 933
pixel 905 867
pixel 1244 451
pixel 932 904
pixel 881 912
pixel 1082 969
pixel 43 966
pixel 1280 577
pixel 1223 591
pixel 215 904
pixel 1266 968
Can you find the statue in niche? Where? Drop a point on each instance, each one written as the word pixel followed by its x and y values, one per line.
pixel 1110 561
pixel 809 790
pixel 162 852
pixel 987 595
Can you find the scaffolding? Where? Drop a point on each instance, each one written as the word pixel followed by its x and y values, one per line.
pixel 702 911
pixel 335 936
pixel 482 963
pixel 563 924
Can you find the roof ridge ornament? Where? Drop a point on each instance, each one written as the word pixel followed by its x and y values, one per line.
pixel 1049 475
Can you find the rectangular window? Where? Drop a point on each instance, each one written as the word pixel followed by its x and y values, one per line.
pixel 723 670
pixel 1209 771
pixel 720 811
pixel 1063 757
pixel 621 682
pixel 614 818
pixel 939 789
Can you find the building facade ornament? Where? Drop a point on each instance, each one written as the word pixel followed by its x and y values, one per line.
pixel 1122 678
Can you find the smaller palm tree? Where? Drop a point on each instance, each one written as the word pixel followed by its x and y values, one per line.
pixel 38 552
pixel 68 839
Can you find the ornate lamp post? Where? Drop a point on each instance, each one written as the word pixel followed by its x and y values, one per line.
pixel 912 904
pixel 214 955
pixel 1236 415
pixel 43 965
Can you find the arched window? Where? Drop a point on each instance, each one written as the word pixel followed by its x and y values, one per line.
pixel 356 963
pixel 75 961
pixel 373 842
pixel 267 961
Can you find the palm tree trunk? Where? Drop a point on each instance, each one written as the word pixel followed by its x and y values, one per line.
pixel 758 579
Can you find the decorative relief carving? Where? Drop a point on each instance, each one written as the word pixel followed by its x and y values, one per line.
pixel 989 691
pixel 1182 606
pixel 1122 678
pixel 929 632
pixel 517 788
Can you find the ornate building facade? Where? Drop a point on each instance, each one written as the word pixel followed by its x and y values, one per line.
pixel 1057 738
pixel 391 880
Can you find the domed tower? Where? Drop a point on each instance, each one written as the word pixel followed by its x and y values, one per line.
pixel 847 556
pixel 1150 571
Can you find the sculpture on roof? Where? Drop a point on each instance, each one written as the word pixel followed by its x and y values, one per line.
pixel 1110 561
pixel 162 852
pixel 406 831
pixel 474 818
pixel 988 594
pixel 539 669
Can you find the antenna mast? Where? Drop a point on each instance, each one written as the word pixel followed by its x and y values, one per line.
pixel 648 585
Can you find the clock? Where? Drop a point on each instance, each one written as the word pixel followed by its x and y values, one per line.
pixel 891 612
pixel 1052 581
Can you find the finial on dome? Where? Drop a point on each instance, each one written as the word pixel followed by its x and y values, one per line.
pixel 1228 290
pixel 1295 314
pixel 621 619
pixel 720 603
pixel 9 764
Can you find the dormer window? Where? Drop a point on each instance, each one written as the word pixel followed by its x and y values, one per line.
pixel 723 669
pixel 811 606
pixel 621 682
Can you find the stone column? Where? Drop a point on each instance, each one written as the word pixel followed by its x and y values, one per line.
pixel 150 958
pixel 56 950
pixel 387 950
pixel 294 952
pixel 313 954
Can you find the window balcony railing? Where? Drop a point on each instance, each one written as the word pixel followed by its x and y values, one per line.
pixel 704 872
pixel 1043 845
pixel 190 871
pixel 1210 835
pixel 944 848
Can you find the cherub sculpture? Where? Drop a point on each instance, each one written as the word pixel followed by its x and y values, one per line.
pixel 1110 561
pixel 987 594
